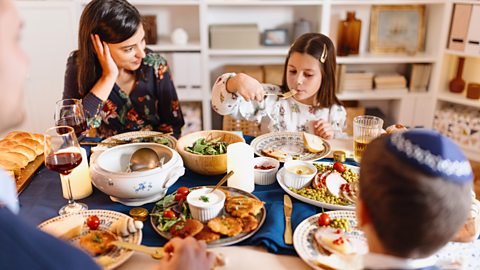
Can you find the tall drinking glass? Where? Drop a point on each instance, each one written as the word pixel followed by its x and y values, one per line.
pixel 62 154
pixel 69 112
pixel 365 129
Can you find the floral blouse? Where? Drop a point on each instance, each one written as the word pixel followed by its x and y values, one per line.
pixel 275 114
pixel 151 105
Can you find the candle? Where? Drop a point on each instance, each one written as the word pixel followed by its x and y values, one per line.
pixel 80 180
pixel 240 161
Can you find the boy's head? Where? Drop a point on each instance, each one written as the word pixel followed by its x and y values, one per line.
pixel 414 192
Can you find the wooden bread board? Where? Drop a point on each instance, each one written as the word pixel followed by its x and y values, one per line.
pixel 25 175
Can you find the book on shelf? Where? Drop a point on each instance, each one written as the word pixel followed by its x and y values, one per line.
pixel 419 77
pixel 390 81
pixel 357 81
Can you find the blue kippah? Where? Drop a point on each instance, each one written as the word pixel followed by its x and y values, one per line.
pixel 431 153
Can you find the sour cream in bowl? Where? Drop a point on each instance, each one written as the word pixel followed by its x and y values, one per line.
pixel 299 174
pixel 205 205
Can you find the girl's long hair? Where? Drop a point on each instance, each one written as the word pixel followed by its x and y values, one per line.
pixel 314 44
pixel 113 21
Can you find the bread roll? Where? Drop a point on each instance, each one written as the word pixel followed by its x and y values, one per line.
pixel 15 157
pixel 19 136
pixel 8 143
pixel 24 150
pixel 39 138
pixel 36 146
pixel 9 165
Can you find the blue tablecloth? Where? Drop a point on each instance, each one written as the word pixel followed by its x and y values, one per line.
pixel 43 197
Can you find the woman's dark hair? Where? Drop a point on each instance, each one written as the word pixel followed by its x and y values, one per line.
pixel 113 21
pixel 320 47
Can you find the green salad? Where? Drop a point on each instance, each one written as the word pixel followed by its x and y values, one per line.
pixel 171 209
pixel 205 146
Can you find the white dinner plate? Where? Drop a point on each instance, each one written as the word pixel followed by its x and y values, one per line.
pixel 107 218
pixel 329 206
pixel 290 143
pixel 303 242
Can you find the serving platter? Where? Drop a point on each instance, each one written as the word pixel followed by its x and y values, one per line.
pixel 303 242
pixel 107 218
pixel 223 241
pixel 330 206
pixel 132 136
pixel 290 143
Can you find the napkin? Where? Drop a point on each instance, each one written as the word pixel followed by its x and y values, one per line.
pixel 270 235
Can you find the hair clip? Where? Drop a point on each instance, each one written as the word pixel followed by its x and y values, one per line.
pixel 324 54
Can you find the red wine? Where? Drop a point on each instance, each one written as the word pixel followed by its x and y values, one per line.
pixel 63 163
pixel 78 127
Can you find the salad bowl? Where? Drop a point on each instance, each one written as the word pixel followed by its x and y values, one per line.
pixel 199 159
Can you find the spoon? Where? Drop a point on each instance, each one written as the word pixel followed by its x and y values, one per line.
pixel 144 159
pixel 225 178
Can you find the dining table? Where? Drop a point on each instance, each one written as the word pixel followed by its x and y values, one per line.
pixel 42 198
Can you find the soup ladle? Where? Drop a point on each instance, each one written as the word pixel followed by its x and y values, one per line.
pixel 144 159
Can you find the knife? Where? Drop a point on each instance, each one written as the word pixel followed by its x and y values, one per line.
pixel 287 209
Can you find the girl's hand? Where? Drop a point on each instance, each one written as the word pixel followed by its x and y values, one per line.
pixel 323 129
pixel 109 68
pixel 246 86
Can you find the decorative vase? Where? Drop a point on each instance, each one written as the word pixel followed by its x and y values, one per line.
pixel 301 27
pixel 349 35
pixel 457 84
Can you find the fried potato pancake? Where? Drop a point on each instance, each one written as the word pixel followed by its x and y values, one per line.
pixel 207 235
pixel 250 223
pixel 225 225
pixel 241 206
pixel 189 227
pixel 97 242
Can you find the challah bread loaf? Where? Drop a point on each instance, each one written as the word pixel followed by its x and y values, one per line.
pixel 19 148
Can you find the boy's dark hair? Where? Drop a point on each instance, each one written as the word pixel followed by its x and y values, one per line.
pixel 412 212
pixel 320 47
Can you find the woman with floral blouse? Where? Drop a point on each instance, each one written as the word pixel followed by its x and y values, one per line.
pixel 309 73
pixel 123 86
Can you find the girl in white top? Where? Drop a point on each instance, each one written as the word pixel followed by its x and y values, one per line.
pixel 309 72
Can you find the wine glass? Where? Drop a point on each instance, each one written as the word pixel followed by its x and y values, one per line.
pixel 62 154
pixel 69 112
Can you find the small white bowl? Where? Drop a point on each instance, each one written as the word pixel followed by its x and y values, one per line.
pixel 265 177
pixel 203 209
pixel 295 180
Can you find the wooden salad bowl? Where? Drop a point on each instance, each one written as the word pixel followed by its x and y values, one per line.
pixel 206 164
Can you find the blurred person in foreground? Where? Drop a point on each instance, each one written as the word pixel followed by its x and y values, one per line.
pixel 415 195
pixel 22 246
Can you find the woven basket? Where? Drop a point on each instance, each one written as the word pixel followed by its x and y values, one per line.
pixel 250 128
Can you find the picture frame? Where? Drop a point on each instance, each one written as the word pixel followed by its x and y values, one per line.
pixel 397 29
pixel 275 37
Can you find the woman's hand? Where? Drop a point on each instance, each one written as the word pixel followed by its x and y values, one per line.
pixel 109 68
pixel 246 86
pixel 186 253
pixel 323 129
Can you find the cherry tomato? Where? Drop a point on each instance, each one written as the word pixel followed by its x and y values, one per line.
pixel 183 190
pixel 179 197
pixel 93 222
pixel 324 219
pixel 339 167
pixel 169 214
pixel 182 193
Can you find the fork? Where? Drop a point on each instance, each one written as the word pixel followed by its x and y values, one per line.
pixel 285 95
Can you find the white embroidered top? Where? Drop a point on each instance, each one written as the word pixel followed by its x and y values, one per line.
pixel 274 113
